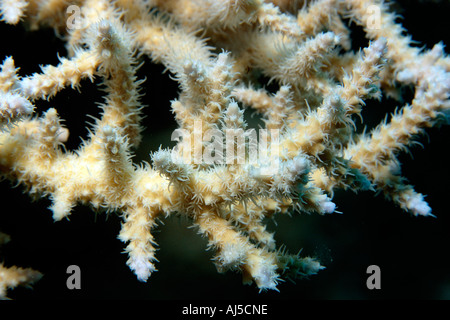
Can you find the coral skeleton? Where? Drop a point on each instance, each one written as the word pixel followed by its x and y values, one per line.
pixel 226 182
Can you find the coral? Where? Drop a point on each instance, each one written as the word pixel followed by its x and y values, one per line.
pixel 11 277
pixel 223 175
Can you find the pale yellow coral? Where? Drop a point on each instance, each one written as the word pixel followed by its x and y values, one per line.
pixel 215 50
pixel 11 277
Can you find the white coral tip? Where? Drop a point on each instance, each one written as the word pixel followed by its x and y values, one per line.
pixel 418 206
pixel 311 266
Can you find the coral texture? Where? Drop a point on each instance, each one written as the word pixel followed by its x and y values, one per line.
pixel 224 176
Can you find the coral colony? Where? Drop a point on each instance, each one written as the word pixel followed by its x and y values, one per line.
pixel 223 175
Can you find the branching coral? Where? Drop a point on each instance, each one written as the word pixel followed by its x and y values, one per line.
pixel 219 175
